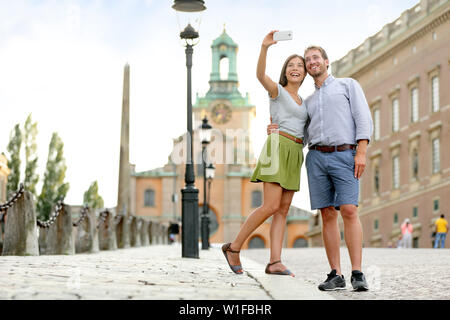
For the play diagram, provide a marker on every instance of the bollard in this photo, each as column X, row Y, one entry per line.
column 42, row 240
column 155, row 232
column 59, row 236
column 123, row 233
column 20, row 237
column 143, row 233
column 135, row 239
column 165, row 234
column 107, row 233
column 150, row 232
column 87, row 240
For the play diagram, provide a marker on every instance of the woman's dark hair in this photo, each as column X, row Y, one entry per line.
column 283, row 80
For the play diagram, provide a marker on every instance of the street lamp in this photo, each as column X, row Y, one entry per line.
column 189, row 195
column 209, row 172
column 205, row 137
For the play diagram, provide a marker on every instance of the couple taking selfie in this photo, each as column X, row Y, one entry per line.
column 336, row 125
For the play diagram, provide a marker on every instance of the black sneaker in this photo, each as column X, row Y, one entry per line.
column 333, row 282
column 359, row 282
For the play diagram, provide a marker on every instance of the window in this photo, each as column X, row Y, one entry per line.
column 256, row 199
column 414, row 105
column 376, row 180
column 396, row 218
column 436, row 156
column 256, row 243
column 435, row 94
column 436, row 205
column 396, row 172
column 395, row 115
column 149, row 198
column 376, row 124
column 375, row 225
column 415, row 212
column 300, row 243
column 415, row 164
column 224, row 68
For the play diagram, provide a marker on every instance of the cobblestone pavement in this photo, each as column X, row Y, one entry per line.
column 397, row 274
column 153, row 272
column 159, row 273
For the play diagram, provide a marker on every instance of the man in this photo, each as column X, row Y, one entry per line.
column 338, row 134
column 441, row 231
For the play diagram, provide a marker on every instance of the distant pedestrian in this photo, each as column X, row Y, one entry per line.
column 441, row 231
column 407, row 230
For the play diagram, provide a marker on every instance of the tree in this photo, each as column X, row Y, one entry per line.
column 31, row 178
column 15, row 142
column 53, row 187
column 92, row 198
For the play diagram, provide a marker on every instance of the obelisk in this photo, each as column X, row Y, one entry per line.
column 123, row 194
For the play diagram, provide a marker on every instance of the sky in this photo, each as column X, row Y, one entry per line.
column 63, row 61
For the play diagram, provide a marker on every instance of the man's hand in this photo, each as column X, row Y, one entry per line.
column 360, row 158
column 272, row 128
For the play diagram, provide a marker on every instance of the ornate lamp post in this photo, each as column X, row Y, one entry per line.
column 209, row 173
column 205, row 136
column 189, row 195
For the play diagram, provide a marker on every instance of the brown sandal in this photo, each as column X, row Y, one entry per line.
column 281, row 273
column 236, row 269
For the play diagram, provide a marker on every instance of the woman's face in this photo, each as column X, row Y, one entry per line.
column 295, row 70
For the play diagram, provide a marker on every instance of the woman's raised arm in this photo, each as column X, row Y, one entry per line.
column 267, row 83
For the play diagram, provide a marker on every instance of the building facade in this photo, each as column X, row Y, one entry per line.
column 404, row 71
column 232, row 196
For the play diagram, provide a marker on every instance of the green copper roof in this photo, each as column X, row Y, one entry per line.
column 224, row 38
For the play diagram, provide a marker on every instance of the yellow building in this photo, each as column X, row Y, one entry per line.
column 233, row 197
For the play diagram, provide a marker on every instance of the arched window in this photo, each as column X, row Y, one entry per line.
column 224, row 68
column 376, row 180
column 256, row 199
column 256, row 243
column 300, row 243
column 149, row 198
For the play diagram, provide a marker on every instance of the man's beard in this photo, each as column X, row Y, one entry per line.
column 318, row 74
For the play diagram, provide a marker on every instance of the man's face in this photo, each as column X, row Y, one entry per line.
column 315, row 64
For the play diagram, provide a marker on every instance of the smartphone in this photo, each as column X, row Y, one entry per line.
column 282, row 35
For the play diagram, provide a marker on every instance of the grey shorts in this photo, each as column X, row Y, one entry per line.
column 331, row 179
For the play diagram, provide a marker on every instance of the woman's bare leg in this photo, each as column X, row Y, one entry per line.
column 272, row 199
column 277, row 230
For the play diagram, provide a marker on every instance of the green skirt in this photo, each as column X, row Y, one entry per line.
column 280, row 161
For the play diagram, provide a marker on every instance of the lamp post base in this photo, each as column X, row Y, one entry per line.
column 189, row 220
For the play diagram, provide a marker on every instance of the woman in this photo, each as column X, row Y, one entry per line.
column 279, row 164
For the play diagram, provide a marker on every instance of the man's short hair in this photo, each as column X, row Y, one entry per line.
column 322, row 52
column 442, row 216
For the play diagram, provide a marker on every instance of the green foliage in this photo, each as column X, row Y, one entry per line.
column 92, row 198
column 53, row 187
column 31, row 178
column 15, row 142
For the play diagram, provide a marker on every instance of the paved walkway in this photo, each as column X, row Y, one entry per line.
column 158, row 272
column 392, row 274
column 153, row 272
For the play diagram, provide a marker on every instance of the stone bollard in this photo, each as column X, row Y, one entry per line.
column 107, row 233
column 135, row 239
column 87, row 234
column 155, row 232
column 123, row 233
column 59, row 235
column 42, row 239
column 143, row 233
column 165, row 234
column 20, row 237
